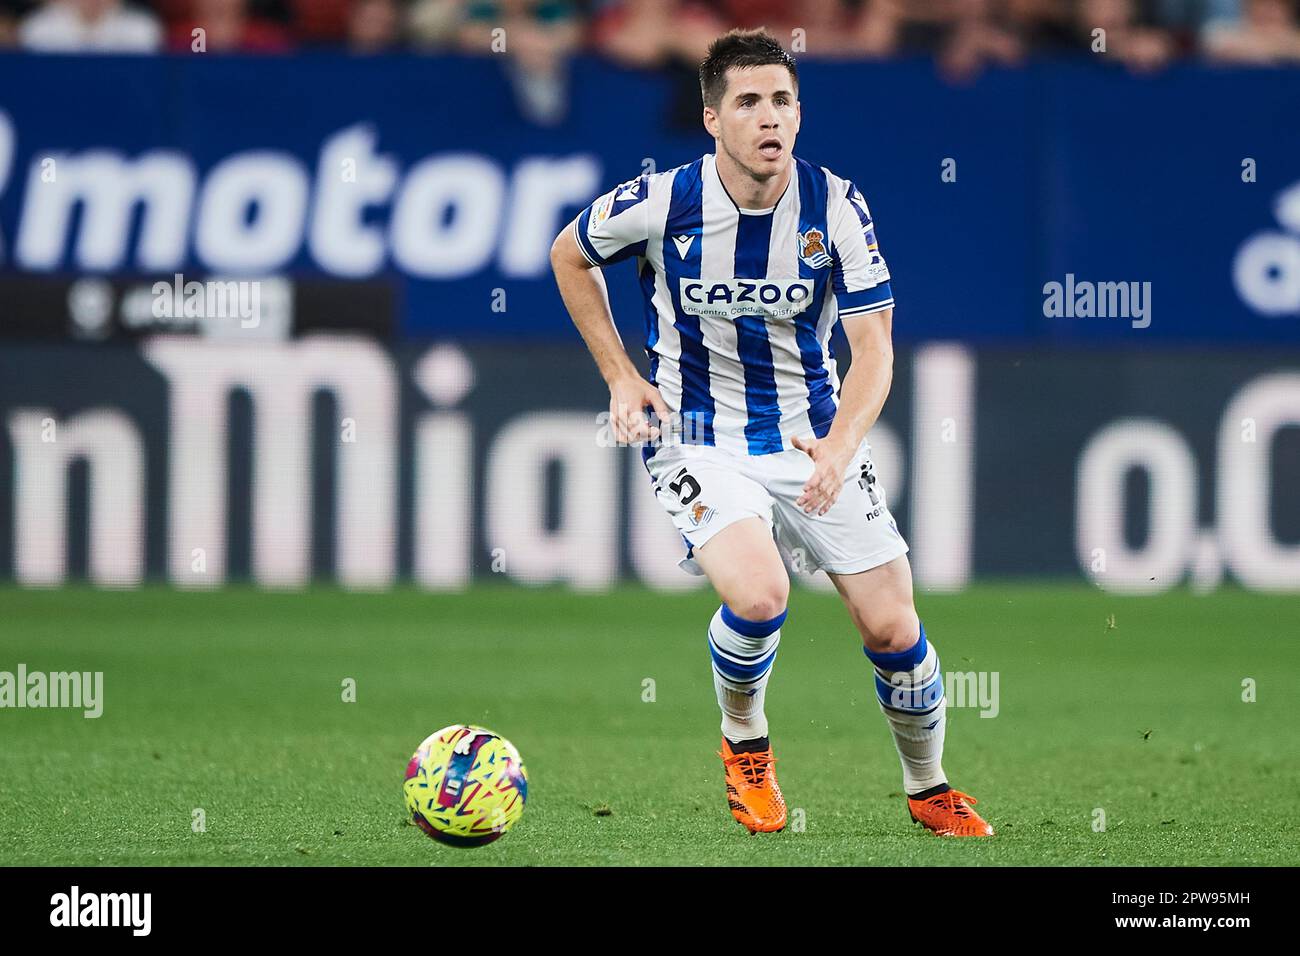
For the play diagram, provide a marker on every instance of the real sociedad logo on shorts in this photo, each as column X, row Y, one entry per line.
column 728, row 298
column 701, row 513
column 812, row 249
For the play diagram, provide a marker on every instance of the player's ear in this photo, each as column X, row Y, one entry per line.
column 711, row 121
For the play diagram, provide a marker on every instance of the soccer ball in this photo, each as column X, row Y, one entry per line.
column 465, row 786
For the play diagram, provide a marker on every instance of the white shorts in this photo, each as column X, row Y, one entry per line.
column 704, row 488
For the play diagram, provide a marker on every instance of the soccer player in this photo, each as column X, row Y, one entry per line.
column 747, row 259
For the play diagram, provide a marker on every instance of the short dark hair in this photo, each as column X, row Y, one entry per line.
column 740, row 48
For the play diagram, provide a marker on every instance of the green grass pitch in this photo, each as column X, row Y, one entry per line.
column 231, row 702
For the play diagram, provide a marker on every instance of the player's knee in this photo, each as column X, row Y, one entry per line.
column 893, row 632
column 762, row 603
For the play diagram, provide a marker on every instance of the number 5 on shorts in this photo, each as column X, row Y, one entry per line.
column 681, row 481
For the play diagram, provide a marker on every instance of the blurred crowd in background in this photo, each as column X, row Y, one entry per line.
column 962, row 35
column 536, row 38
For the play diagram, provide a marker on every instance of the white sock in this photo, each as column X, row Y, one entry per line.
column 743, row 652
column 909, row 687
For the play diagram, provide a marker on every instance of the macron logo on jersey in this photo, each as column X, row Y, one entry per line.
column 729, row 298
column 683, row 244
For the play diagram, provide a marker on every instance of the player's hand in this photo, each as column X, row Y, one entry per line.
column 628, row 398
column 830, row 461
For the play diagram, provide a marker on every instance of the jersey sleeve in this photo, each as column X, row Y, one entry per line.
column 859, row 276
column 615, row 226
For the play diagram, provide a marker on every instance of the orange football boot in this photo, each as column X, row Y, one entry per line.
column 949, row 814
column 752, row 791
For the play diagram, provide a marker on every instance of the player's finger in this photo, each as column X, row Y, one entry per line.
column 645, row 427
column 829, row 503
column 659, row 405
column 615, row 426
column 837, row 486
column 810, row 491
column 826, row 492
column 626, row 422
column 812, row 494
column 632, row 419
column 637, row 426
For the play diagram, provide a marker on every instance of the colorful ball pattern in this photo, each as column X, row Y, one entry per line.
column 465, row 786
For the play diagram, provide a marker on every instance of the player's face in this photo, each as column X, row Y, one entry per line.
column 757, row 120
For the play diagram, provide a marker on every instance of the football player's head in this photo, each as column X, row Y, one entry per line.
column 750, row 87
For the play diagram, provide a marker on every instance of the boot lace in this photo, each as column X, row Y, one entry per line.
column 753, row 766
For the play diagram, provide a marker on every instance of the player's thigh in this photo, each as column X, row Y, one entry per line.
column 856, row 540
column 879, row 601
column 725, row 517
column 745, row 568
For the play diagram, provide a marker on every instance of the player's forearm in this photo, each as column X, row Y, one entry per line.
column 862, row 395
column 583, row 290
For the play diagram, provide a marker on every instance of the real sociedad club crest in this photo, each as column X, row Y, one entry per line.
column 701, row 513
column 812, row 249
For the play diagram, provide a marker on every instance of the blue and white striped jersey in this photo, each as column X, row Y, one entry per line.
column 740, row 303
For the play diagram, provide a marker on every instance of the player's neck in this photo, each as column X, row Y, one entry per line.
column 746, row 191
